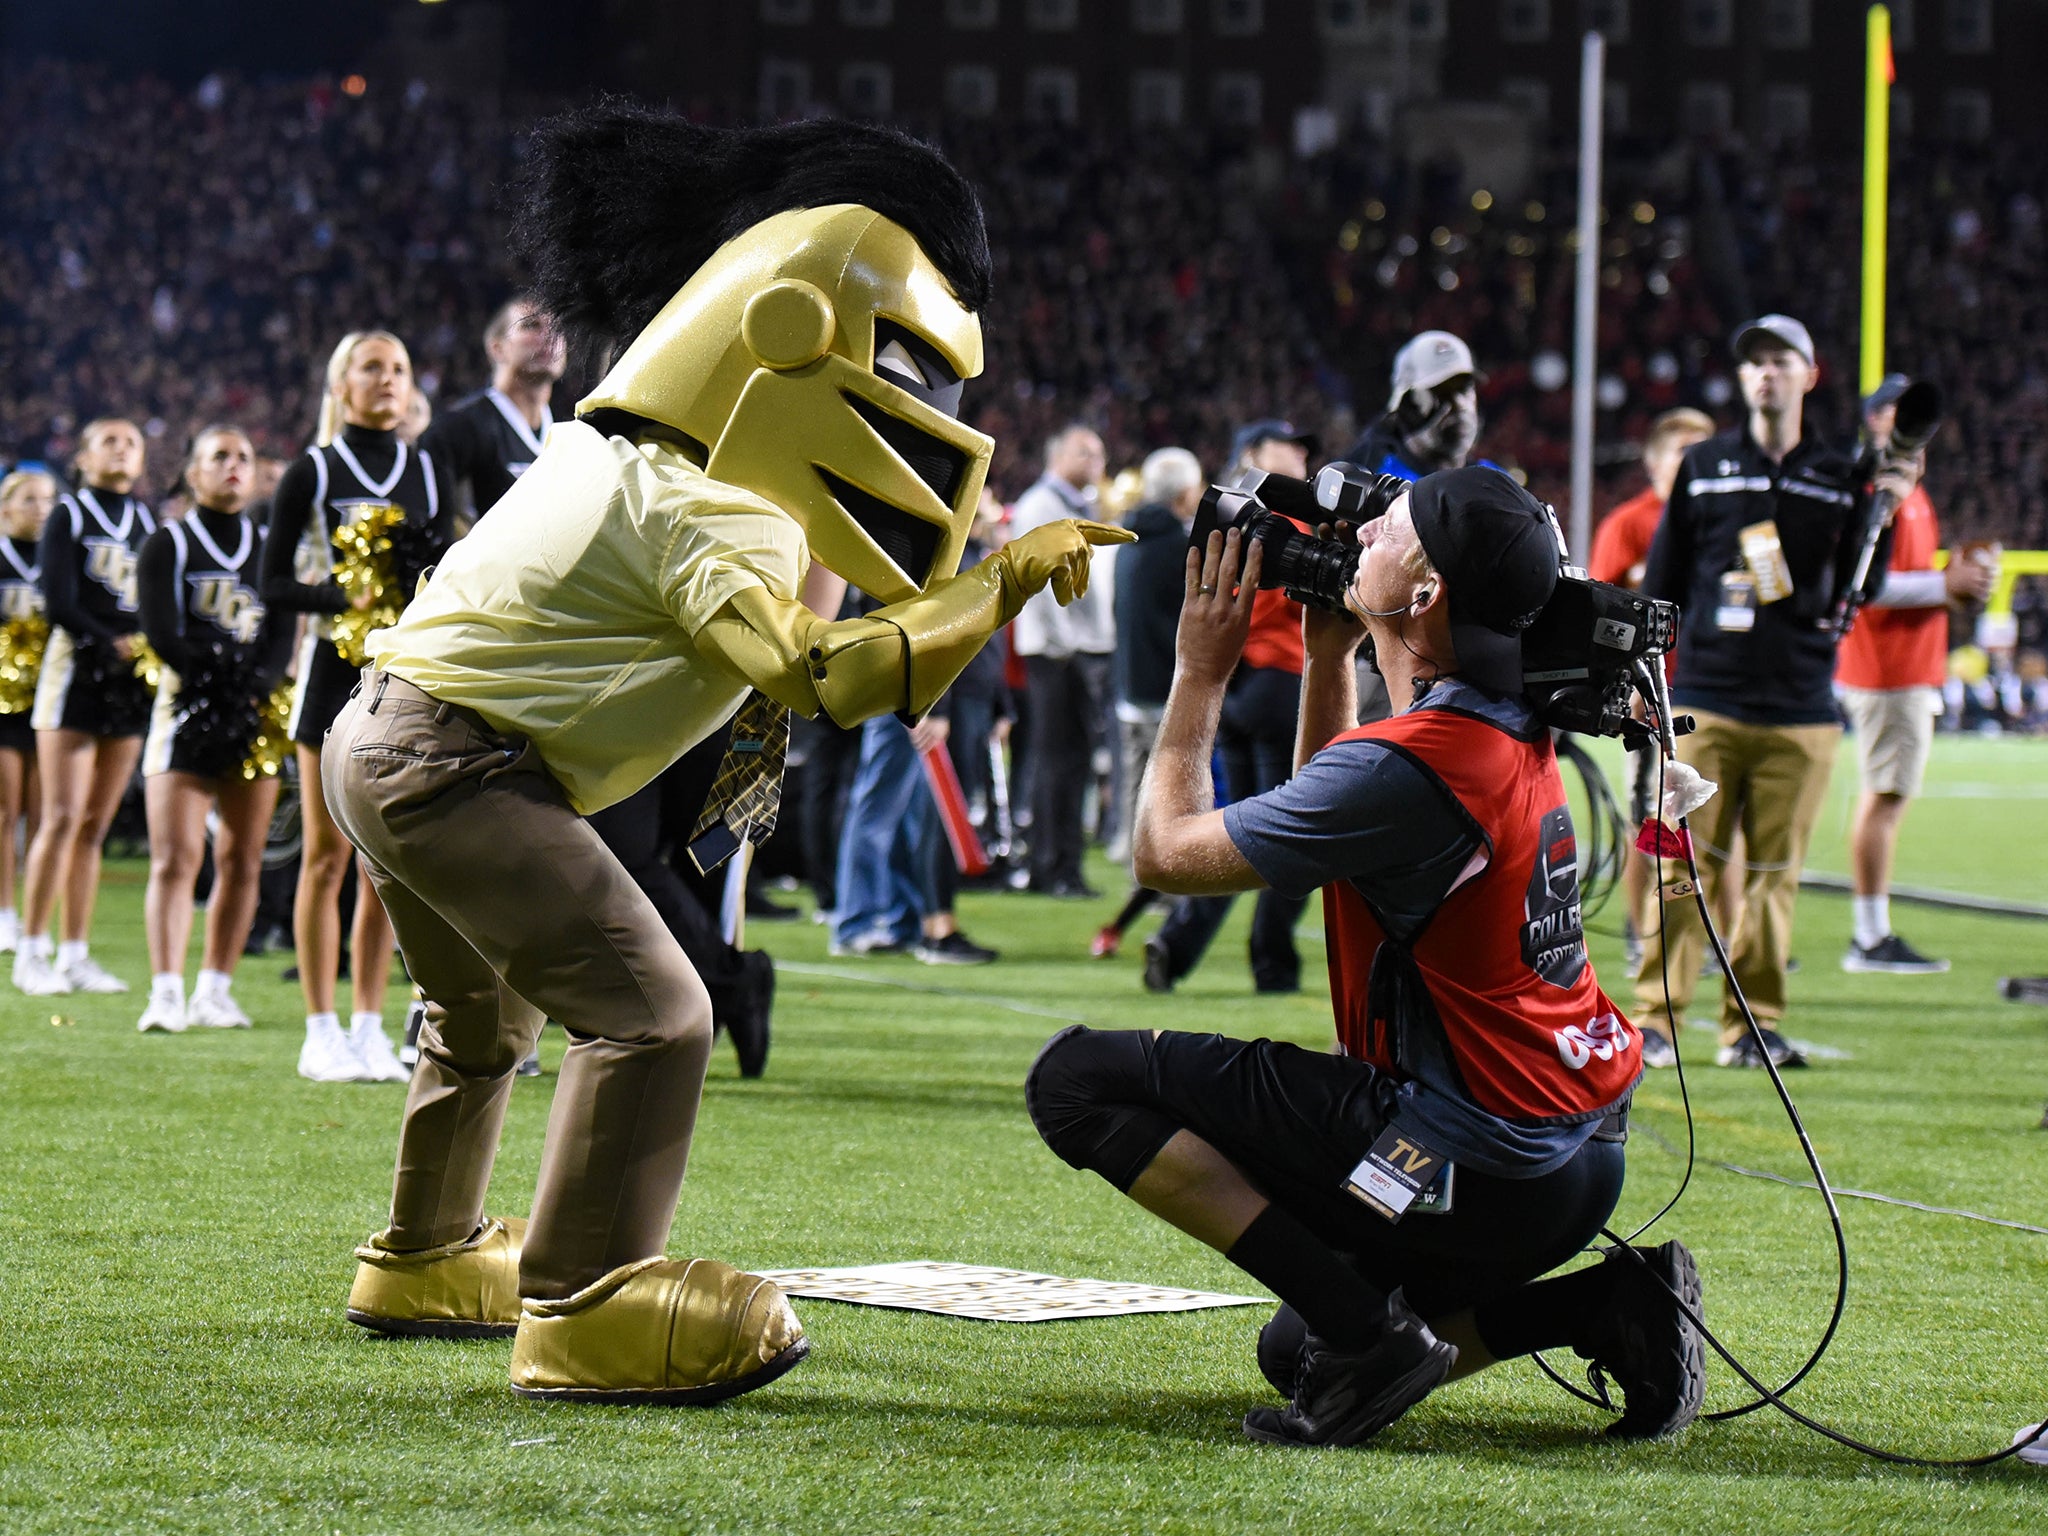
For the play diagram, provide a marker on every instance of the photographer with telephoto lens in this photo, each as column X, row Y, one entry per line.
column 1403, row 1196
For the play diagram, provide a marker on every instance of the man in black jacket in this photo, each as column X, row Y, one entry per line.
column 1760, row 536
column 1149, row 578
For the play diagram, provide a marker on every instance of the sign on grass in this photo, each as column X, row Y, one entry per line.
column 997, row 1295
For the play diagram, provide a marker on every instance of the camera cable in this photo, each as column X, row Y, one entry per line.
column 1765, row 1396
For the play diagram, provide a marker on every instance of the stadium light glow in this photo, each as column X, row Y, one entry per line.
column 354, row 85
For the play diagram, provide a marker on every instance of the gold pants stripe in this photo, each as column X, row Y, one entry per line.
column 509, row 910
column 1774, row 780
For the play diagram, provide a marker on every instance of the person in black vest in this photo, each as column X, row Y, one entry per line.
column 358, row 469
column 196, row 584
column 26, row 496
column 91, row 703
column 1480, row 1060
column 488, row 439
column 1758, row 541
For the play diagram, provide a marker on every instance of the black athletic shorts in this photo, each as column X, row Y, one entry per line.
column 1297, row 1121
column 89, row 687
column 16, row 734
column 325, row 682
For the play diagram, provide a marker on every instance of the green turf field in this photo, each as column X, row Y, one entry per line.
column 178, row 1214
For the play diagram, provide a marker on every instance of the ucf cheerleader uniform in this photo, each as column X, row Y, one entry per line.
column 321, row 493
column 21, row 597
column 200, row 609
column 88, row 574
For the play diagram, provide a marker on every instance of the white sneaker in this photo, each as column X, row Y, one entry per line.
column 215, row 1010
column 372, row 1048
column 87, row 975
column 38, row 976
column 165, row 1013
column 326, row 1057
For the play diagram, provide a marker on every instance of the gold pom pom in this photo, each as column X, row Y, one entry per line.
column 148, row 665
column 363, row 565
column 272, row 743
column 21, row 658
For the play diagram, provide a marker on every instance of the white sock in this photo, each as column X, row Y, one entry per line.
column 315, row 1020
column 211, row 984
column 71, row 950
column 10, row 921
column 363, row 1023
column 37, row 944
column 1872, row 916
column 168, row 985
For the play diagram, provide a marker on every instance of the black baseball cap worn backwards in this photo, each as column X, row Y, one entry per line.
column 1497, row 547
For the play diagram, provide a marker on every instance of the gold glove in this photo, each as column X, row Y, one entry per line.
column 904, row 656
column 465, row 1290
column 661, row 1331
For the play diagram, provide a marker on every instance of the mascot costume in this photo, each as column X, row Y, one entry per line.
column 790, row 314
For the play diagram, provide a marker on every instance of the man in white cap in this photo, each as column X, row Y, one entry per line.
column 1758, row 540
column 1432, row 417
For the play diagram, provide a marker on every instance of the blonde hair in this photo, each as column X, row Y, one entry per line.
column 337, row 368
column 1683, row 422
column 20, row 477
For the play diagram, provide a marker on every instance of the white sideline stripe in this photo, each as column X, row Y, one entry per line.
column 800, row 968
column 1864, row 1194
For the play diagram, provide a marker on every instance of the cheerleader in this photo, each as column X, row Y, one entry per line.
column 92, row 704
column 196, row 583
column 26, row 497
column 359, row 469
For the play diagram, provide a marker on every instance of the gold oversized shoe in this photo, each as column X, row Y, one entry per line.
column 465, row 1290
column 662, row 1331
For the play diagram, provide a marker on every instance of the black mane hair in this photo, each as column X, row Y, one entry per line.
column 617, row 205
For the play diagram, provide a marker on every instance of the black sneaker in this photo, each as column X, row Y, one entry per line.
column 1744, row 1052
column 954, row 949
column 1345, row 1398
column 1279, row 1350
column 1658, row 1051
column 1647, row 1345
column 531, row 1066
column 1890, row 956
column 747, row 1019
column 1157, row 977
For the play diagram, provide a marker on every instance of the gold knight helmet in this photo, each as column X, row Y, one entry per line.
column 797, row 309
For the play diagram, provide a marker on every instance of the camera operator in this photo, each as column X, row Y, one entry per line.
column 1432, row 417
column 1261, row 712
column 1892, row 665
column 1473, row 1030
column 1759, row 537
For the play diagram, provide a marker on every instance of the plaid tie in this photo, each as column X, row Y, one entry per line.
column 748, row 789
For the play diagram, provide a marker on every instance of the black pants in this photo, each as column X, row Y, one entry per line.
column 1295, row 1122
column 1068, row 698
column 1256, row 740
column 633, row 830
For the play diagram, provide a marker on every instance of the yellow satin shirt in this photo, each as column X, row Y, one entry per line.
column 569, row 614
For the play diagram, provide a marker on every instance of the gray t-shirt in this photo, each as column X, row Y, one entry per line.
column 1366, row 812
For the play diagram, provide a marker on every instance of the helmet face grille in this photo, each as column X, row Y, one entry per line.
column 939, row 465
column 910, row 542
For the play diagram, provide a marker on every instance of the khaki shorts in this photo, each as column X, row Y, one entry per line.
column 1894, row 734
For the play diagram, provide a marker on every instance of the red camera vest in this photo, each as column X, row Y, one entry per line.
column 1503, row 959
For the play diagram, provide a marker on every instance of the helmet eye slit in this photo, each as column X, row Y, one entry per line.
column 911, row 363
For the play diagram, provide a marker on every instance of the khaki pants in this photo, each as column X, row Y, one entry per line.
column 1773, row 781
column 509, row 909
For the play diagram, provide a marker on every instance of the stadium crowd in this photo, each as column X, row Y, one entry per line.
column 180, row 257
